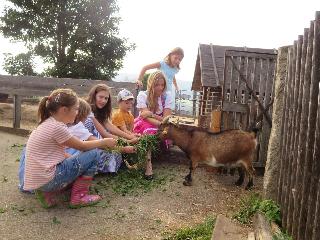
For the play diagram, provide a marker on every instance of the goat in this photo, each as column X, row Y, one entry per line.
column 232, row 148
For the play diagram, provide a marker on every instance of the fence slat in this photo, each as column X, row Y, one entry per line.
column 295, row 178
column 301, row 181
column 315, row 75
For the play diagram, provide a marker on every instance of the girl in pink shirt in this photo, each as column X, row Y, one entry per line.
column 47, row 170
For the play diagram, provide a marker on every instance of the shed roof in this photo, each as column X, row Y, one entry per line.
column 210, row 64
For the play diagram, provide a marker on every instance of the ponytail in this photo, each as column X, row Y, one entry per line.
column 43, row 112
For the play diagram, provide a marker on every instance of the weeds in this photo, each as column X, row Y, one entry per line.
column 131, row 182
column 202, row 231
column 281, row 236
column 254, row 203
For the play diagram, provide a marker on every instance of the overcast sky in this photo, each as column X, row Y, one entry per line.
column 158, row 26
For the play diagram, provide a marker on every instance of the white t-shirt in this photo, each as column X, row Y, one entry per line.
column 80, row 131
column 142, row 101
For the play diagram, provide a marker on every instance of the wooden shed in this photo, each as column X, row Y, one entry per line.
column 234, row 85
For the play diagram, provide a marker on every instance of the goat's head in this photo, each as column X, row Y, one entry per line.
column 165, row 126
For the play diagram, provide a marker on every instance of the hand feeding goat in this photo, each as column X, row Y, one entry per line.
column 228, row 148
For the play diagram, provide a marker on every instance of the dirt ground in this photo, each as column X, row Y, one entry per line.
column 144, row 216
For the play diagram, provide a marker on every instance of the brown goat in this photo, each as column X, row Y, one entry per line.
column 231, row 148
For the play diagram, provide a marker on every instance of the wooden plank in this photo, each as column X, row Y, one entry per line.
column 232, row 82
column 305, row 168
column 296, row 177
column 235, row 107
column 312, row 125
column 214, row 66
column 16, row 111
column 316, row 229
column 295, row 130
column 262, row 228
column 250, row 54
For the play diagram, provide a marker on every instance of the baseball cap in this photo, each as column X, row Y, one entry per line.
column 124, row 94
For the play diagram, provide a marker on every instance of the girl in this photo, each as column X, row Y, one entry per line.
column 170, row 66
column 47, row 171
column 99, row 125
column 153, row 105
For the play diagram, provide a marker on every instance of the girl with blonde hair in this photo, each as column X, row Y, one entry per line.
column 153, row 105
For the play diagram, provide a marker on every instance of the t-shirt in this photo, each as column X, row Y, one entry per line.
column 169, row 73
column 44, row 151
column 80, row 131
column 121, row 118
column 142, row 101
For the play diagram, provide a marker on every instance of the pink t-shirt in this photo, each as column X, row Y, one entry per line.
column 44, row 152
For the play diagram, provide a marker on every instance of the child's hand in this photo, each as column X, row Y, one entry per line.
column 110, row 142
column 128, row 149
column 145, row 114
column 137, row 135
column 133, row 140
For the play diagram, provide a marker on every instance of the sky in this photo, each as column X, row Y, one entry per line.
column 156, row 27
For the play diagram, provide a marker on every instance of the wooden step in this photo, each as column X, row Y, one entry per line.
column 225, row 229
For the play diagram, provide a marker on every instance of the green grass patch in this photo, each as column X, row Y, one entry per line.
column 132, row 182
column 202, row 231
column 254, row 203
column 282, row 236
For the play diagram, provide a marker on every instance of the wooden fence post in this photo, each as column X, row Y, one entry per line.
column 272, row 168
column 16, row 111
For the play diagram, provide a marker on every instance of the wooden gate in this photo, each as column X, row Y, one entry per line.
column 247, row 90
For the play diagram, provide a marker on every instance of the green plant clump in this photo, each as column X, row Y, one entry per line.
column 202, row 231
column 281, row 236
column 254, row 203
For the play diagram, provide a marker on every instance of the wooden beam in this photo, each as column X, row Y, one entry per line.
column 16, row 111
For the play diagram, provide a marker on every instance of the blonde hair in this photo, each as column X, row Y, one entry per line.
column 104, row 113
column 84, row 110
column 57, row 99
column 175, row 51
column 153, row 79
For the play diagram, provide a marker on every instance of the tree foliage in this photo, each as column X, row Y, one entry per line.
column 77, row 38
column 22, row 64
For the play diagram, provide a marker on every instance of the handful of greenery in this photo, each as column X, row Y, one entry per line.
column 146, row 143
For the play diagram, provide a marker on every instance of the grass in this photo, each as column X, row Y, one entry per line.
column 281, row 236
column 202, row 231
column 254, row 203
column 132, row 182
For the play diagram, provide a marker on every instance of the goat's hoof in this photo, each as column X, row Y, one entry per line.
column 187, row 183
column 238, row 183
column 249, row 187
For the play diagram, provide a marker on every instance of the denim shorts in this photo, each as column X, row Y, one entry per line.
column 69, row 169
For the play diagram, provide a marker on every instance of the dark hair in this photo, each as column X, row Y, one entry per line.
column 84, row 110
column 104, row 113
column 57, row 99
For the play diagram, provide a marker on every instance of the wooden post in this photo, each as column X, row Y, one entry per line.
column 303, row 134
column 273, row 166
column 310, row 161
column 16, row 111
column 215, row 120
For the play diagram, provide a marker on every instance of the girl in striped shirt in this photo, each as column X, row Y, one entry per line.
column 47, row 170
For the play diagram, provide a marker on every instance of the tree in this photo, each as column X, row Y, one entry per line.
column 78, row 38
column 22, row 64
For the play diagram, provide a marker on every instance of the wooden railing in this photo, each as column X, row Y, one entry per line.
column 21, row 86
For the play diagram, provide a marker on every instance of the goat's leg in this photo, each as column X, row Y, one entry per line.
column 239, row 182
column 251, row 172
column 188, row 178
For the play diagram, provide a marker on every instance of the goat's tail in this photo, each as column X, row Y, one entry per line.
column 255, row 130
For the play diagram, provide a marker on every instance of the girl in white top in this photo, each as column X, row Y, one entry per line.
column 153, row 105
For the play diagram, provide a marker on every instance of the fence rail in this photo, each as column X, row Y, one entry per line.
column 299, row 179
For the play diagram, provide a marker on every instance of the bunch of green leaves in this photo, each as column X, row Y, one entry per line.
column 146, row 143
column 202, row 231
column 254, row 203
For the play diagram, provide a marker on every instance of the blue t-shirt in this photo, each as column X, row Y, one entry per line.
column 169, row 73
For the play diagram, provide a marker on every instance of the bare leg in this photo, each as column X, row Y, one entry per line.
column 149, row 165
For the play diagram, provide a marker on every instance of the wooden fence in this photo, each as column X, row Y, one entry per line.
column 248, row 94
column 299, row 180
column 20, row 86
